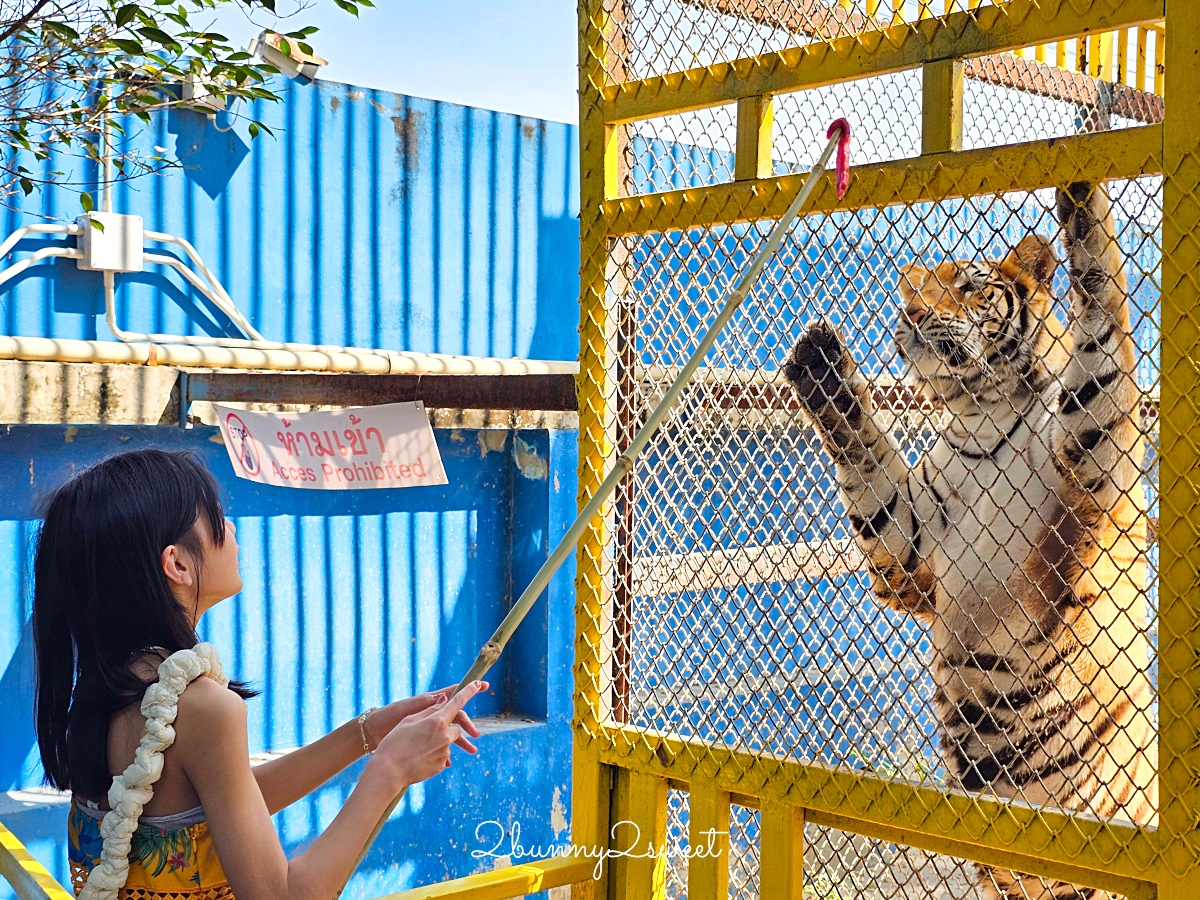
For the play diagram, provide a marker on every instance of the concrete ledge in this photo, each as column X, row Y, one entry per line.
column 51, row 393
column 55, row 393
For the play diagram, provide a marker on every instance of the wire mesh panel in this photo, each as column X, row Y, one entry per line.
column 895, row 552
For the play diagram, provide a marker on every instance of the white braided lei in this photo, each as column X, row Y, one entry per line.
column 132, row 789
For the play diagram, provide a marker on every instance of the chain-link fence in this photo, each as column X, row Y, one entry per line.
column 892, row 564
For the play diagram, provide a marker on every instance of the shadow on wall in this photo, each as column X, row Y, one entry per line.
column 209, row 150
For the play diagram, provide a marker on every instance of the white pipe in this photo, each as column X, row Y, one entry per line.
column 223, row 304
column 13, row 239
column 192, row 253
column 228, row 307
column 106, row 135
column 293, row 359
column 45, row 253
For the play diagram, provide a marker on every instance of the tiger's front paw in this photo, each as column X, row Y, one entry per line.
column 818, row 364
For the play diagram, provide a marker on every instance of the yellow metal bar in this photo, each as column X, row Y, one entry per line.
column 708, row 842
column 1103, row 848
column 755, row 138
column 892, row 49
column 1041, row 52
column 25, row 875
column 640, row 834
column 1142, row 36
column 781, row 851
column 1160, row 61
column 1091, row 58
column 595, row 384
column 1060, row 54
column 1123, row 73
column 1018, row 167
column 613, row 135
column 1100, row 53
column 503, row 884
column 942, row 106
column 591, row 793
column 1179, row 497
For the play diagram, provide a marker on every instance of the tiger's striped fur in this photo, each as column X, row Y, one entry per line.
column 1020, row 536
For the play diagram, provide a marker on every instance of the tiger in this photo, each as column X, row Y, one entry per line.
column 1019, row 536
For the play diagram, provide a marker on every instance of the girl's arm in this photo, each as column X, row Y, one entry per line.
column 212, row 747
column 297, row 774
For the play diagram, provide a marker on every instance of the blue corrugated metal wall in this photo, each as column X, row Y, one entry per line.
column 380, row 220
column 373, row 219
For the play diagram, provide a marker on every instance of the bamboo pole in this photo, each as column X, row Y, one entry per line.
column 491, row 650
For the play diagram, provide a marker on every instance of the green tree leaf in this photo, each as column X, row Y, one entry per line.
column 126, row 14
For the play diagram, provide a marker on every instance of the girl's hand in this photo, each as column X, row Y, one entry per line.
column 381, row 721
column 419, row 746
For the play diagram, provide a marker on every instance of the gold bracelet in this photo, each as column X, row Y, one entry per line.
column 362, row 729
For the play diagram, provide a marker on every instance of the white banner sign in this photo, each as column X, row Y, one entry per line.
column 386, row 446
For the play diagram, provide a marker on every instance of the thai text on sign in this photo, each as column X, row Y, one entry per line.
column 386, row 446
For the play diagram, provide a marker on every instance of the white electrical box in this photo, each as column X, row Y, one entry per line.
column 116, row 246
column 202, row 93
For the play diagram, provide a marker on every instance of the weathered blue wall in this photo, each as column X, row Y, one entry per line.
column 353, row 598
column 379, row 220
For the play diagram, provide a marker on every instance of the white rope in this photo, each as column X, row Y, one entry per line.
column 133, row 788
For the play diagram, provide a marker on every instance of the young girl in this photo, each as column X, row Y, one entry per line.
column 131, row 554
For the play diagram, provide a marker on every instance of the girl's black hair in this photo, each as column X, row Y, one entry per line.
column 101, row 598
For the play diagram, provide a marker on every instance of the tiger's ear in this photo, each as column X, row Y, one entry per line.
column 1035, row 255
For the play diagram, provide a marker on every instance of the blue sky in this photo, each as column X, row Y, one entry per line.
column 511, row 55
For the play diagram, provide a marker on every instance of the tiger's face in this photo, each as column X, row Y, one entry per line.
column 967, row 326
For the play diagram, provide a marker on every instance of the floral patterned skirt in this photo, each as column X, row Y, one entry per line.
column 171, row 857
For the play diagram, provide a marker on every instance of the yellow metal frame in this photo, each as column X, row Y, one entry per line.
column 622, row 773
column 27, row 877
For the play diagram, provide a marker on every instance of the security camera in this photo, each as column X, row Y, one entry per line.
column 294, row 63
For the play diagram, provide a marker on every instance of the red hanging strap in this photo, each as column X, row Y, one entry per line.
column 843, row 155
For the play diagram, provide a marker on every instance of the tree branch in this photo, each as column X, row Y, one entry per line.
column 23, row 21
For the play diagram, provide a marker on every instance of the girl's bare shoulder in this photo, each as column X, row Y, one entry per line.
column 205, row 695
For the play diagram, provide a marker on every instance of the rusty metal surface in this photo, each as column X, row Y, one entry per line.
column 541, row 392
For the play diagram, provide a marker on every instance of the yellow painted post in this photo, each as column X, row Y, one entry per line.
column 755, row 139
column 942, row 106
column 1060, row 54
column 781, row 852
column 1097, row 64
column 1179, row 523
column 639, row 830
column 1179, row 661
column 872, row 9
column 1140, row 77
column 1122, row 73
column 595, row 380
column 708, row 842
column 591, row 797
column 1160, row 60
column 25, row 875
column 898, row 10
column 1105, row 68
